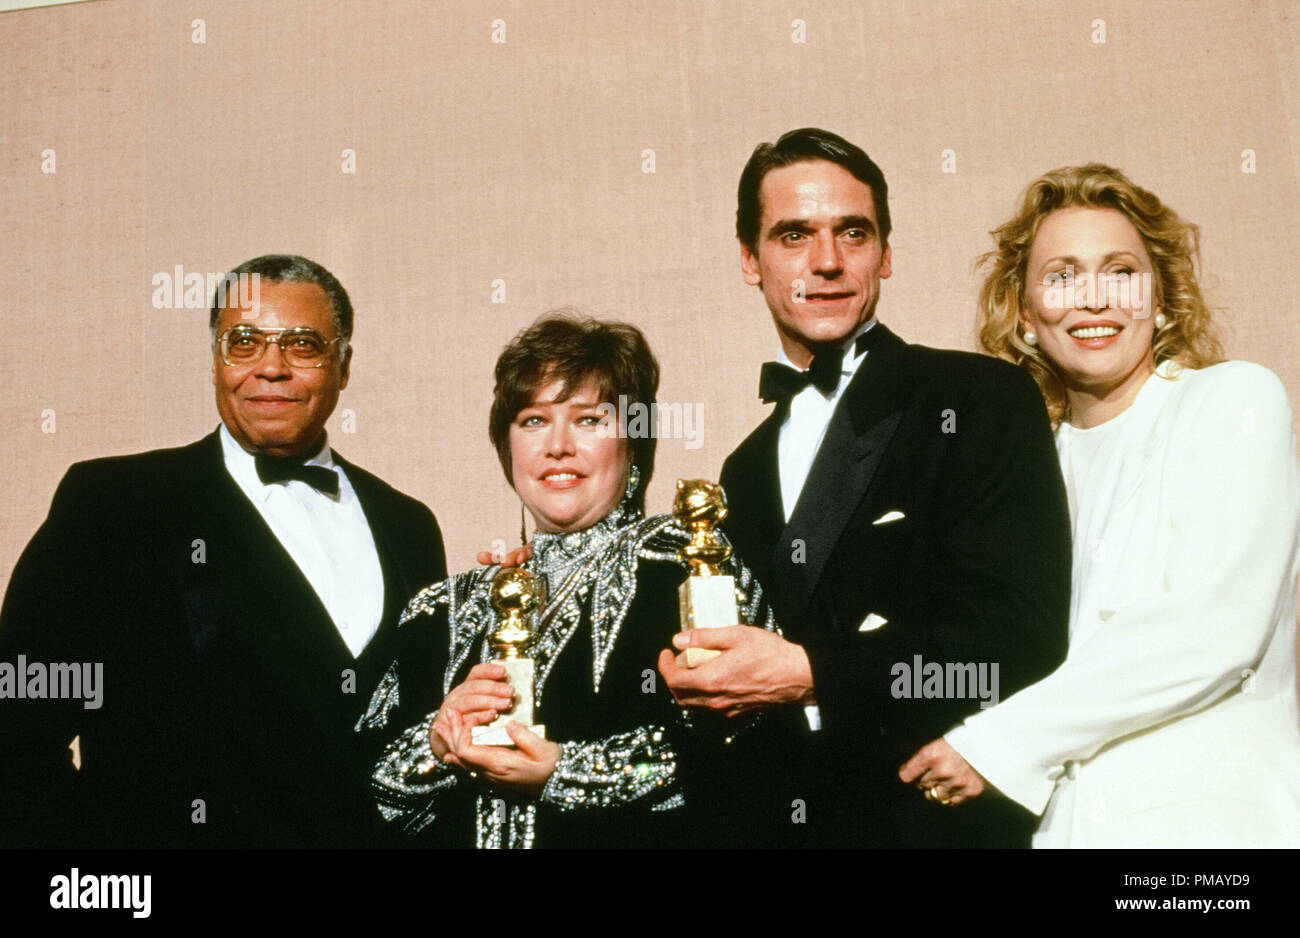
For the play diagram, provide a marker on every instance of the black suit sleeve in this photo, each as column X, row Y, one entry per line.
column 48, row 616
column 429, row 536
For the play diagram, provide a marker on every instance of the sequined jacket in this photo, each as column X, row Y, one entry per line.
column 625, row 746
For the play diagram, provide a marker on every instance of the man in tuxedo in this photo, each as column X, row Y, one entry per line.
column 241, row 594
column 903, row 509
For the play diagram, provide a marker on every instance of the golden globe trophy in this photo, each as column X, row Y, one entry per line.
column 515, row 595
column 708, row 597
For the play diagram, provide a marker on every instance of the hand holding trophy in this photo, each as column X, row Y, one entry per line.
column 515, row 595
column 708, row 597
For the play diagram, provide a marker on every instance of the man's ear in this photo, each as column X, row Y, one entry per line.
column 749, row 267
column 886, row 264
column 345, row 368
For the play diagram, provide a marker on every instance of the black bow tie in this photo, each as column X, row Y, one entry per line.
column 271, row 469
column 778, row 382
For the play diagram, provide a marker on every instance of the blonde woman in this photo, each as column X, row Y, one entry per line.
column 1173, row 720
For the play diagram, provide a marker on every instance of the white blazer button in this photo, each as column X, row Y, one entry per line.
column 1072, row 770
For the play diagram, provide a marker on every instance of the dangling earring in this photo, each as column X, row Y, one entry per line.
column 1160, row 321
column 633, row 480
column 523, row 531
column 1031, row 338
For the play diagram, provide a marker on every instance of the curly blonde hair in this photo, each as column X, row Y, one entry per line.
column 1189, row 336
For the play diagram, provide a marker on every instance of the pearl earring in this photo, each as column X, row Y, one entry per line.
column 1161, row 321
column 1031, row 338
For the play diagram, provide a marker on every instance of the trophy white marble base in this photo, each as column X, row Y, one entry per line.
column 519, row 672
column 706, row 602
column 693, row 657
column 494, row 735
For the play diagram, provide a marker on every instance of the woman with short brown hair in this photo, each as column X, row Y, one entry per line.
column 614, row 778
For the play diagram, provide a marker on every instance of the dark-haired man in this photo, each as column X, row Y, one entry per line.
column 903, row 508
column 241, row 594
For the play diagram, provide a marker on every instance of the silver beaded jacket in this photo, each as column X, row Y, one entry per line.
column 592, row 577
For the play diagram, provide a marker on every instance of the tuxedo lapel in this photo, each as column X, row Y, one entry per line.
column 401, row 580
column 860, row 431
column 752, row 484
column 759, row 472
column 249, row 597
column 395, row 562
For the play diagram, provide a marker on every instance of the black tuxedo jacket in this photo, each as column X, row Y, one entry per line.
column 935, row 512
column 229, row 697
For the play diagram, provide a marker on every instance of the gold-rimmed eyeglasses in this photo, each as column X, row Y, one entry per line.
column 300, row 347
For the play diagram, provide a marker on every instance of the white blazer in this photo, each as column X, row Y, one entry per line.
column 1173, row 721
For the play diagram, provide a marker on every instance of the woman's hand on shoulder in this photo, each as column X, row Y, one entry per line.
column 514, row 558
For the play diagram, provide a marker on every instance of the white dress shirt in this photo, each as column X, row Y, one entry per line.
column 805, row 426
column 801, row 437
column 327, row 536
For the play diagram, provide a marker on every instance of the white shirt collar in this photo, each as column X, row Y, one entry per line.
column 240, row 465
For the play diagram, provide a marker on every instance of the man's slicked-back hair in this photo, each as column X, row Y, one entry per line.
column 802, row 146
column 287, row 268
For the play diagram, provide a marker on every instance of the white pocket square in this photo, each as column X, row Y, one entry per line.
column 872, row 622
column 888, row 517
